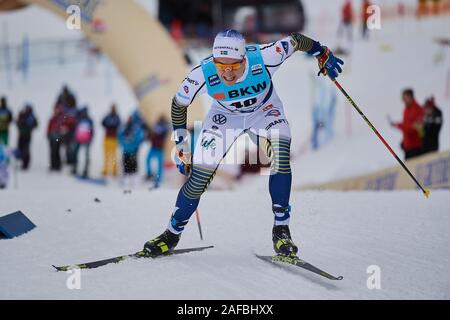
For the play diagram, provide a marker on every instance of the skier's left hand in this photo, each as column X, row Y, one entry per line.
column 329, row 65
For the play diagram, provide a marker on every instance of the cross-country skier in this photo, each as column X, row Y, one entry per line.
column 239, row 79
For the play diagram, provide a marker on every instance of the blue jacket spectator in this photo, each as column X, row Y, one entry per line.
column 130, row 136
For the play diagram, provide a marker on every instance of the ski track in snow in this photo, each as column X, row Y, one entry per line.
column 342, row 233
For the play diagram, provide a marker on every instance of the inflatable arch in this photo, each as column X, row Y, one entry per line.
column 136, row 43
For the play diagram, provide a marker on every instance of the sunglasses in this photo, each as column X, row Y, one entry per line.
column 232, row 66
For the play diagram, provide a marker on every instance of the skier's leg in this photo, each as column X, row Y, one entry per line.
column 277, row 150
column 273, row 130
column 189, row 196
column 212, row 145
column 280, row 179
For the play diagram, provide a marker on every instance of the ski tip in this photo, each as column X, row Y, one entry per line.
column 63, row 268
column 340, row 278
column 426, row 193
column 56, row 267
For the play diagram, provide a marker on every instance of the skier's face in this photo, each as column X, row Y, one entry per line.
column 229, row 70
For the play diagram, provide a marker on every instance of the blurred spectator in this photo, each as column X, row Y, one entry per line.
column 411, row 126
column 68, row 131
column 432, row 125
column 67, row 98
column 69, row 103
column 323, row 112
column 5, row 155
column 84, row 134
column 26, row 123
column 5, row 120
column 54, row 136
column 176, row 31
column 436, row 6
column 111, row 123
column 130, row 137
column 346, row 25
column 157, row 135
column 422, row 8
column 365, row 15
column 137, row 119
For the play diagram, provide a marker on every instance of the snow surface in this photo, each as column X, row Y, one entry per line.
column 343, row 233
column 404, row 234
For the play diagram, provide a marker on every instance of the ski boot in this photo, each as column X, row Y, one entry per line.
column 161, row 244
column 282, row 241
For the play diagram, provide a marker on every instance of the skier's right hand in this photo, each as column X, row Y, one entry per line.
column 184, row 162
column 329, row 65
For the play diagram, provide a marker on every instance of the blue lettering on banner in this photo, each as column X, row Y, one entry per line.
column 213, row 80
column 385, row 182
column 434, row 173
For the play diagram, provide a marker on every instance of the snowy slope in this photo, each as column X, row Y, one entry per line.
column 344, row 233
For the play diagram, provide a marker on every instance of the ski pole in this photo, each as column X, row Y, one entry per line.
column 425, row 192
column 197, row 217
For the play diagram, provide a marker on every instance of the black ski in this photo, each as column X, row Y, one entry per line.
column 137, row 255
column 296, row 261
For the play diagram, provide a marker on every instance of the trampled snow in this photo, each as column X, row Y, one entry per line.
column 402, row 233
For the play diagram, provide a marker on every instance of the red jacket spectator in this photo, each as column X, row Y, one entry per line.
column 411, row 126
column 365, row 15
column 347, row 12
column 55, row 123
